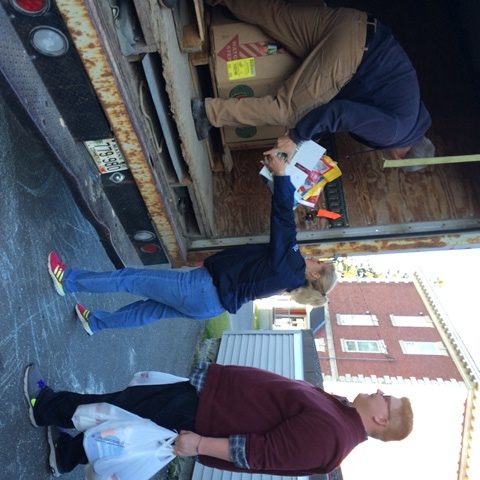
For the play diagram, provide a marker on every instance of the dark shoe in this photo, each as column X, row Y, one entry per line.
column 202, row 125
column 53, row 435
column 167, row 3
column 33, row 384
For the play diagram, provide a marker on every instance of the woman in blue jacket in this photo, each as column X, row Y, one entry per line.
column 226, row 281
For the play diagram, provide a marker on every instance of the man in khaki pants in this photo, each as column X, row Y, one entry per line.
column 354, row 77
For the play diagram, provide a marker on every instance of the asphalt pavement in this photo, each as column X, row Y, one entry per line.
column 38, row 214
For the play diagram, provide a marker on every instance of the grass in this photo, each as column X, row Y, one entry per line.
column 214, row 327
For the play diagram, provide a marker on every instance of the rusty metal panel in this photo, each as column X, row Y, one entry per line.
column 394, row 245
column 95, row 59
column 364, row 246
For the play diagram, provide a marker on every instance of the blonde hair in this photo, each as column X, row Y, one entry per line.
column 315, row 292
column 399, row 425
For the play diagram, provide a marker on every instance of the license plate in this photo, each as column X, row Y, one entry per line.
column 107, row 155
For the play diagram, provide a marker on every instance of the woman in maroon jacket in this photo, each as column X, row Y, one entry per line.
column 245, row 419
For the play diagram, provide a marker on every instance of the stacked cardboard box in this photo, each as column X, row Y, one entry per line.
column 247, row 63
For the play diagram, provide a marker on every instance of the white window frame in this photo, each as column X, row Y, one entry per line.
column 411, row 321
column 422, row 348
column 355, row 319
column 320, row 344
column 380, row 344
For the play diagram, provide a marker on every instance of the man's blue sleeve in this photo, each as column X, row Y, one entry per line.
column 370, row 123
column 283, row 233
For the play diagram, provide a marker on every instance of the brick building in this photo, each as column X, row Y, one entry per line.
column 395, row 336
column 382, row 329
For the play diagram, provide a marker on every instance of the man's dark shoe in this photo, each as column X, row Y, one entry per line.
column 53, row 435
column 33, row 384
column 167, row 3
column 202, row 125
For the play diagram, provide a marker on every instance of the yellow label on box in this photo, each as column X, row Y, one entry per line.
column 240, row 69
column 331, row 174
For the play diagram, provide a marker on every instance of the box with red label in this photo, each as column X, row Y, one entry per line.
column 247, row 63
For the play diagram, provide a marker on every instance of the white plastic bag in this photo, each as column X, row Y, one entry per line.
column 121, row 445
column 155, row 378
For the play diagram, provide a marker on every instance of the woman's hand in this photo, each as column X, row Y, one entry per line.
column 284, row 145
column 187, row 444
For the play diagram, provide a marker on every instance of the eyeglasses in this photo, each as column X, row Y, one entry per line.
column 387, row 399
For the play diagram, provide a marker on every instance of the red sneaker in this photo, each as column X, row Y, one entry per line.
column 83, row 314
column 56, row 269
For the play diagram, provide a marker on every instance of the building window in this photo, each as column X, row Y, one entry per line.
column 320, row 344
column 363, row 346
column 295, row 318
column 360, row 320
column 423, row 348
column 411, row 321
column 295, row 323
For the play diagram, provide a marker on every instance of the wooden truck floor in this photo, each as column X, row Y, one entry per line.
column 376, row 197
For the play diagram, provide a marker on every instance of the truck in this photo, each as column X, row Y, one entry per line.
column 107, row 86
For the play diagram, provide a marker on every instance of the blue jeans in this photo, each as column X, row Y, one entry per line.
column 169, row 293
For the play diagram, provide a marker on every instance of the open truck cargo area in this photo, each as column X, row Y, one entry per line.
column 176, row 199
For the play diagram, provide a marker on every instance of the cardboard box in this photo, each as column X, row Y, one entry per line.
column 247, row 63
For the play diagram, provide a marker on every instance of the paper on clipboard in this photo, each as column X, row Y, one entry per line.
column 304, row 160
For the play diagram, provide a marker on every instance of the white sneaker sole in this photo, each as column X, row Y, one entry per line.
column 83, row 322
column 52, row 458
column 27, row 397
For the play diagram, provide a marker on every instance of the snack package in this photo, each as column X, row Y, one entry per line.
column 309, row 170
column 323, row 172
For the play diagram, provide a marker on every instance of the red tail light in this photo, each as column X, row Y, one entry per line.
column 31, row 7
column 150, row 248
